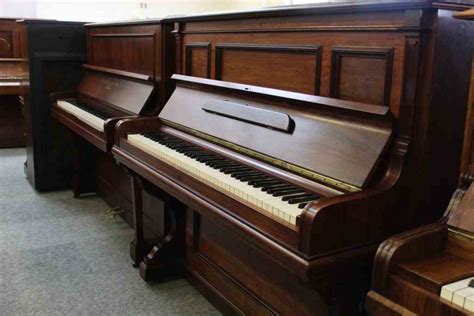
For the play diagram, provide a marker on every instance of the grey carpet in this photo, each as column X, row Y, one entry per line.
column 66, row 256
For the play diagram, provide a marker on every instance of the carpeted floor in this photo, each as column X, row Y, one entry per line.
column 65, row 256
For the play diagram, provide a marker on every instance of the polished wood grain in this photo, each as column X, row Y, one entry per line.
column 398, row 54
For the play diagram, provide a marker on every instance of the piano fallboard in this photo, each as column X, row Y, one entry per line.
column 104, row 96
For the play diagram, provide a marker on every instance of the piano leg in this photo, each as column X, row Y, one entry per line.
column 84, row 159
column 158, row 259
column 137, row 245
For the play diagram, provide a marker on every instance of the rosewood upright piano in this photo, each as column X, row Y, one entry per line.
column 103, row 97
column 283, row 196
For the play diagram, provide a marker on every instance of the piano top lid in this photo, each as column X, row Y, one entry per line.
column 124, row 91
column 125, row 22
column 349, row 6
column 333, row 141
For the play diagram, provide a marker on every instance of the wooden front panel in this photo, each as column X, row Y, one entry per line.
column 9, row 40
column 133, row 48
column 128, row 52
column 358, row 57
column 6, row 44
column 363, row 75
column 198, row 61
column 287, row 67
column 246, row 278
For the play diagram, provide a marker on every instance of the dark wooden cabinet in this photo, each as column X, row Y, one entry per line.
column 54, row 52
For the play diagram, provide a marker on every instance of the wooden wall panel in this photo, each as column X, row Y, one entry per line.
column 362, row 74
column 128, row 52
column 198, row 59
column 287, row 67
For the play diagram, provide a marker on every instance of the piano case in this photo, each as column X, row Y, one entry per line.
column 251, row 262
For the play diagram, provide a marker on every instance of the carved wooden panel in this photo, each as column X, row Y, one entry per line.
column 6, row 44
column 288, row 67
column 198, row 59
column 133, row 52
column 362, row 74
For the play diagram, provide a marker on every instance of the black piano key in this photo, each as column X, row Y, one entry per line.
column 253, row 178
column 287, row 192
column 241, row 172
column 296, row 195
column 276, row 186
column 283, row 186
column 245, row 174
column 302, row 199
column 230, row 170
column 225, row 163
column 302, row 205
column 259, row 184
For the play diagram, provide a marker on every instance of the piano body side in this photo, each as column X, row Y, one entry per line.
column 411, row 268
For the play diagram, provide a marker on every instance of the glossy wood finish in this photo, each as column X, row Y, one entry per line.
column 54, row 52
column 410, row 268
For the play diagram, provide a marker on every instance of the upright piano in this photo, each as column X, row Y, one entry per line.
column 103, row 97
column 126, row 74
column 12, row 71
column 429, row 270
column 284, row 196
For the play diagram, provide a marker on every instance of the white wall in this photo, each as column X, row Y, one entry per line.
column 113, row 10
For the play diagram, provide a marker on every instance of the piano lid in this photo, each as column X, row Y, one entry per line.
column 333, row 141
column 125, row 91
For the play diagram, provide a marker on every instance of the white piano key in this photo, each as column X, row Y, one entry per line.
column 460, row 296
column 448, row 290
column 469, row 303
column 92, row 120
column 225, row 183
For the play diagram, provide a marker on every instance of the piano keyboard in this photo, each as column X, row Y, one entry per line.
column 460, row 293
column 266, row 194
column 85, row 113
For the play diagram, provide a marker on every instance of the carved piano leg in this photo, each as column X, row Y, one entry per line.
column 84, row 176
column 137, row 245
column 157, row 258
column 166, row 257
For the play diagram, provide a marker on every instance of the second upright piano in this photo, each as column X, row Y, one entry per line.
column 285, row 194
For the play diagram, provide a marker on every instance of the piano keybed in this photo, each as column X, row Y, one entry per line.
column 269, row 195
column 85, row 113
